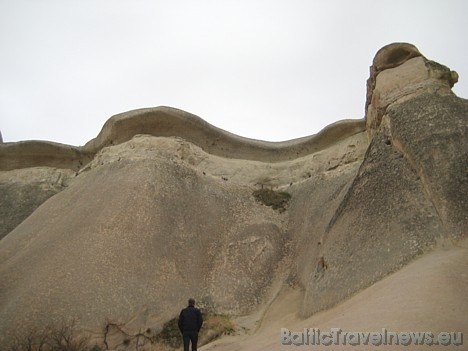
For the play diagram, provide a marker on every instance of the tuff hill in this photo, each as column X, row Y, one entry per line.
column 161, row 206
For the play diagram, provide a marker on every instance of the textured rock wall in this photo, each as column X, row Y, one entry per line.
column 137, row 223
column 170, row 122
column 152, row 221
column 23, row 190
column 399, row 72
column 134, row 235
column 431, row 131
column 412, row 185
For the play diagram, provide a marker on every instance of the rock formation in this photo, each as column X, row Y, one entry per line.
column 161, row 206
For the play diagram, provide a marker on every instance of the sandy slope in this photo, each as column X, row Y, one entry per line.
column 429, row 294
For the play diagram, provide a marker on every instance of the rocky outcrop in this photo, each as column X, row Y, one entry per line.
column 399, row 72
column 32, row 153
column 410, row 189
column 165, row 206
column 23, row 190
column 413, row 106
column 170, row 122
column 151, row 221
column 160, row 121
column 167, row 122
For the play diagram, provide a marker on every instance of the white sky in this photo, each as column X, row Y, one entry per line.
column 264, row 69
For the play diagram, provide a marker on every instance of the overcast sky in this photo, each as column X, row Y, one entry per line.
column 263, row 69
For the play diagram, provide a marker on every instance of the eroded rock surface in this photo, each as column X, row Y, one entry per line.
column 161, row 206
column 399, row 72
column 24, row 190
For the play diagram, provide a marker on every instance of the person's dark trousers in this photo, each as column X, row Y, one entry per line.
column 190, row 337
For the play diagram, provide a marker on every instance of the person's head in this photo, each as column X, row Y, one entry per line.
column 191, row 301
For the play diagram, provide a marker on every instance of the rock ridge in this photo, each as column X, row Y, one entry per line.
column 170, row 122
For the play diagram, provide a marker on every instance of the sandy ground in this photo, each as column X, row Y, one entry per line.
column 428, row 295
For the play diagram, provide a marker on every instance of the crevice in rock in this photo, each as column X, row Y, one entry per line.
column 398, row 146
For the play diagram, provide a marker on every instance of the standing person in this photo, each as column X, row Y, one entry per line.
column 190, row 323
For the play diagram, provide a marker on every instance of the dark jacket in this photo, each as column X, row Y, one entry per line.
column 190, row 320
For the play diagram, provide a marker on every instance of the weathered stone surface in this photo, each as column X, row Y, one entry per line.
column 147, row 220
column 411, row 189
column 23, row 190
column 383, row 222
column 236, row 284
column 431, row 131
column 170, row 122
column 389, row 56
column 151, row 221
column 400, row 73
column 123, row 236
column 166, row 122
column 26, row 154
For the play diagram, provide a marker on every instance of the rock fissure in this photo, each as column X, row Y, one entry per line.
column 422, row 176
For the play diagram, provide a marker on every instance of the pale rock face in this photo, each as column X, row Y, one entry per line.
column 400, row 73
column 160, row 206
